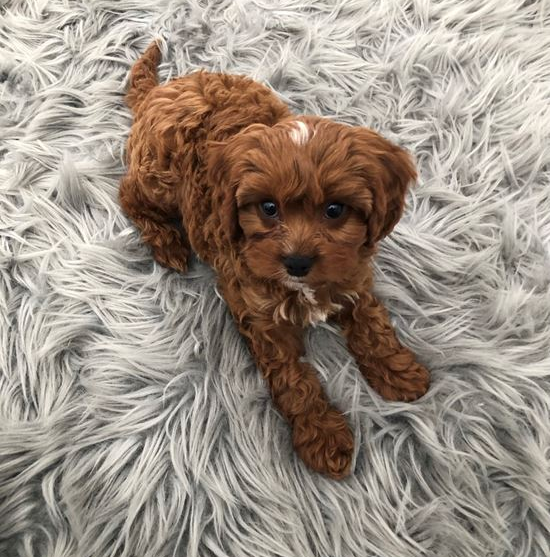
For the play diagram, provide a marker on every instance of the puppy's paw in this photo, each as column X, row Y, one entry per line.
column 174, row 258
column 405, row 385
column 324, row 442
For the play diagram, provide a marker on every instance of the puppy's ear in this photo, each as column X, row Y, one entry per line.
column 227, row 161
column 223, row 183
column 388, row 170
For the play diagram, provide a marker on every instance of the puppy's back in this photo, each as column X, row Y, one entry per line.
column 222, row 103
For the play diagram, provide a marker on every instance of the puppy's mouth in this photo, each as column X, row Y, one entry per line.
column 291, row 282
column 294, row 283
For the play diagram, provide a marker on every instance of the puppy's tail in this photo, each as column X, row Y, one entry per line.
column 143, row 77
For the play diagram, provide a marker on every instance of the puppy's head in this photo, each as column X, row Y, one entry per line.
column 305, row 201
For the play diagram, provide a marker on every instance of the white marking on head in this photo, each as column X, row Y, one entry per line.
column 300, row 133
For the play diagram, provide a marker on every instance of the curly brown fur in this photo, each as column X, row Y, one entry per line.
column 205, row 152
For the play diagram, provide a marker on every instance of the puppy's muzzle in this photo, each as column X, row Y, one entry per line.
column 298, row 265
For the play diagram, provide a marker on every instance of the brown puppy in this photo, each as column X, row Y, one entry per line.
column 287, row 209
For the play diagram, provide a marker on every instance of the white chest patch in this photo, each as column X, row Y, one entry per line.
column 300, row 133
column 314, row 314
column 317, row 316
column 304, row 289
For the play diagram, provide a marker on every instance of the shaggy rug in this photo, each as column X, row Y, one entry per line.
column 132, row 419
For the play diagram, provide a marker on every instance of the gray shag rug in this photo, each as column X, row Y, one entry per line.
column 132, row 420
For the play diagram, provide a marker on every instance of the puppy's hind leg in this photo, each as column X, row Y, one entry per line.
column 160, row 229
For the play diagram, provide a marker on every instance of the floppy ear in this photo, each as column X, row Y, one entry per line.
column 226, row 164
column 220, row 178
column 388, row 170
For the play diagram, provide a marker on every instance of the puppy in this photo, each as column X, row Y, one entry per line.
column 287, row 210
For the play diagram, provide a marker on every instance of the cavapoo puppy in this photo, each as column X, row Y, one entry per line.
column 288, row 210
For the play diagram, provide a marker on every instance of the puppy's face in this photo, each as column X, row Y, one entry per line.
column 312, row 197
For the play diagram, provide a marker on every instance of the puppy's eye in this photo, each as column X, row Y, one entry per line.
column 269, row 209
column 334, row 210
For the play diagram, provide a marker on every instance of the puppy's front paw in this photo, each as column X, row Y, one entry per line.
column 400, row 384
column 324, row 442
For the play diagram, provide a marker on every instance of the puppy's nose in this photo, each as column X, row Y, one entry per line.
column 298, row 265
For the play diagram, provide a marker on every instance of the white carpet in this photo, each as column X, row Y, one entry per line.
column 132, row 420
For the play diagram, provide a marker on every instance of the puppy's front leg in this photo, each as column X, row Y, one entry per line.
column 320, row 433
column 390, row 368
